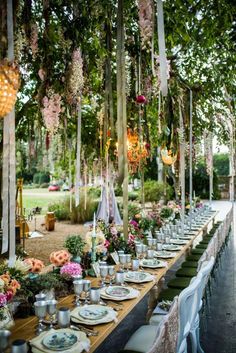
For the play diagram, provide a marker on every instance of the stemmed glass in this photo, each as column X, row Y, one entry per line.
column 138, row 249
column 51, row 310
column 111, row 272
column 78, row 289
column 40, row 309
column 87, row 285
column 4, row 339
column 144, row 250
column 103, row 274
column 128, row 260
column 122, row 259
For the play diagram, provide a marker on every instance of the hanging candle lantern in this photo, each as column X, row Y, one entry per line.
column 141, row 99
column 9, row 85
column 168, row 157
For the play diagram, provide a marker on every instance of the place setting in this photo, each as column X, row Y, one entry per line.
column 164, row 254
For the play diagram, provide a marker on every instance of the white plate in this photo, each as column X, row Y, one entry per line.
column 59, row 341
column 178, row 241
column 187, row 237
column 117, row 291
column 92, row 312
column 95, row 314
column 138, row 277
column 171, row 247
column 134, row 293
column 164, row 254
column 152, row 263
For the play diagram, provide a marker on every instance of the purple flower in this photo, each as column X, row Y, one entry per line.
column 3, row 299
column 134, row 223
column 71, row 269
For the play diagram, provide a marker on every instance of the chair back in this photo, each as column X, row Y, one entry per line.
column 204, row 274
column 188, row 309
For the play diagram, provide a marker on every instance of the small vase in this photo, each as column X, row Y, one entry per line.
column 76, row 259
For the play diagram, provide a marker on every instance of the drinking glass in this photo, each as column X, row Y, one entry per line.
column 63, row 317
column 139, row 249
column 120, row 277
column 40, row 309
column 94, row 295
column 154, row 243
column 144, row 250
column 103, row 274
column 111, row 272
column 19, row 346
column 78, row 289
column 150, row 253
column 128, row 260
column 149, row 242
column 135, row 264
column 167, row 240
column 86, row 287
column 40, row 296
column 159, row 247
column 4, row 339
column 122, row 259
column 51, row 310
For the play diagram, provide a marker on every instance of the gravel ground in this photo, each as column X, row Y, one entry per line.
column 41, row 248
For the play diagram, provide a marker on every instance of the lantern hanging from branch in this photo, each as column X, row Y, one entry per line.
column 9, row 85
column 168, row 157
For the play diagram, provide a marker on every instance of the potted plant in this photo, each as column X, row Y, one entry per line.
column 75, row 245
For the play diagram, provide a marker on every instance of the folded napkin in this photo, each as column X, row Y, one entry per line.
column 83, row 342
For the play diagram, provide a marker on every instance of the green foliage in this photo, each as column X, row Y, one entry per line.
column 155, row 191
column 94, row 193
column 133, row 196
column 166, row 212
column 201, row 183
column 118, row 190
column 74, row 244
column 40, row 178
column 60, row 209
column 221, row 164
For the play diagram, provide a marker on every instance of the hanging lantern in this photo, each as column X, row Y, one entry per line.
column 168, row 157
column 136, row 151
column 141, row 99
column 9, row 85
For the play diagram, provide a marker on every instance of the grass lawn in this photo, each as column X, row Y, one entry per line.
column 41, row 198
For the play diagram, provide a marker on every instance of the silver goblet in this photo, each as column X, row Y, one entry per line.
column 135, row 264
column 138, row 249
column 103, row 274
column 19, row 346
column 78, row 289
column 51, row 310
column 40, row 309
column 122, row 259
column 120, row 277
column 86, row 288
column 128, row 260
column 94, row 295
column 40, row 296
column 150, row 253
column 111, row 271
column 4, row 339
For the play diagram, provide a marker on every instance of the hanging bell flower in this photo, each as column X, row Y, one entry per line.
column 9, row 85
column 141, row 99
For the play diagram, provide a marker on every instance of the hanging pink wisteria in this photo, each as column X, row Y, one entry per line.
column 76, row 78
column 146, row 22
column 51, row 111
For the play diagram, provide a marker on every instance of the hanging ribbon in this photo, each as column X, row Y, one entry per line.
column 78, row 153
column 85, row 184
column 190, row 150
column 162, row 48
column 182, row 164
column 70, row 174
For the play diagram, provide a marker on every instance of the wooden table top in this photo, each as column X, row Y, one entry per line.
column 25, row 328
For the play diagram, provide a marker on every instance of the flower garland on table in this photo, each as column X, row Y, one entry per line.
column 145, row 12
column 51, row 111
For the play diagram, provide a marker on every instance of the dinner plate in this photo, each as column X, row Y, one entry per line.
column 138, row 277
column 172, row 247
column 133, row 293
column 93, row 313
column 117, row 291
column 187, row 237
column 59, row 341
column 164, row 254
column 152, row 263
column 178, row 241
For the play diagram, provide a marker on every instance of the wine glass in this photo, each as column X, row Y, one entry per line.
column 128, row 260
column 103, row 274
column 144, row 250
column 40, row 309
column 51, row 309
column 138, row 249
column 87, row 285
column 111, row 271
column 122, row 259
column 78, row 289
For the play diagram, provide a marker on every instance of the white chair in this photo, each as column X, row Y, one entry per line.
column 161, row 338
column 203, row 274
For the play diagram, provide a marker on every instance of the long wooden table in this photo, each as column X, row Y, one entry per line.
column 25, row 328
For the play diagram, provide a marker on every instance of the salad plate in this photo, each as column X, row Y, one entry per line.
column 117, row 291
column 178, row 241
column 172, row 247
column 93, row 313
column 138, row 277
column 153, row 263
column 164, row 254
column 59, row 341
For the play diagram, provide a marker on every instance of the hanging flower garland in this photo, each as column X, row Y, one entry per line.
column 51, row 111
column 157, row 73
column 208, row 151
column 76, row 78
column 137, row 152
column 146, row 22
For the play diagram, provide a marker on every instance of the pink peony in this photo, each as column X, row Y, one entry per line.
column 71, row 269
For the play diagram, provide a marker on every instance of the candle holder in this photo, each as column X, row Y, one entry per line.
column 91, row 271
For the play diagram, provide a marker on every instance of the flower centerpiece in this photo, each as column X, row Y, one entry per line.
column 59, row 258
column 71, row 269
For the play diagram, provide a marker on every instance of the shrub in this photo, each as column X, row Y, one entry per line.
column 118, row 190
column 133, row 196
column 40, row 178
column 155, row 190
column 61, row 211
column 94, row 192
column 44, row 185
column 74, row 244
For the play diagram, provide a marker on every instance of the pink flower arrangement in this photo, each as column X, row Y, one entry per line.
column 113, row 230
column 71, row 269
column 51, row 111
column 3, row 299
column 107, row 243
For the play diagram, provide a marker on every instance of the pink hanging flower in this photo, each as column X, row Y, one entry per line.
column 146, row 22
column 51, row 111
column 42, row 74
column 76, row 78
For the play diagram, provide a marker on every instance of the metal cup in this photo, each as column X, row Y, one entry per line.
column 149, row 242
column 40, row 309
column 63, row 317
column 4, row 338
column 150, row 254
column 135, row 264
column 94, row 295
column 40, row 296
column 120, row 277
column 51, row 306
column 120, row 252
column 159, row 246
column 19, row 346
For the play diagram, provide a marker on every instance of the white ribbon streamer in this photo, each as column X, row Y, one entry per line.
column 162, row 48
column 78, row 153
